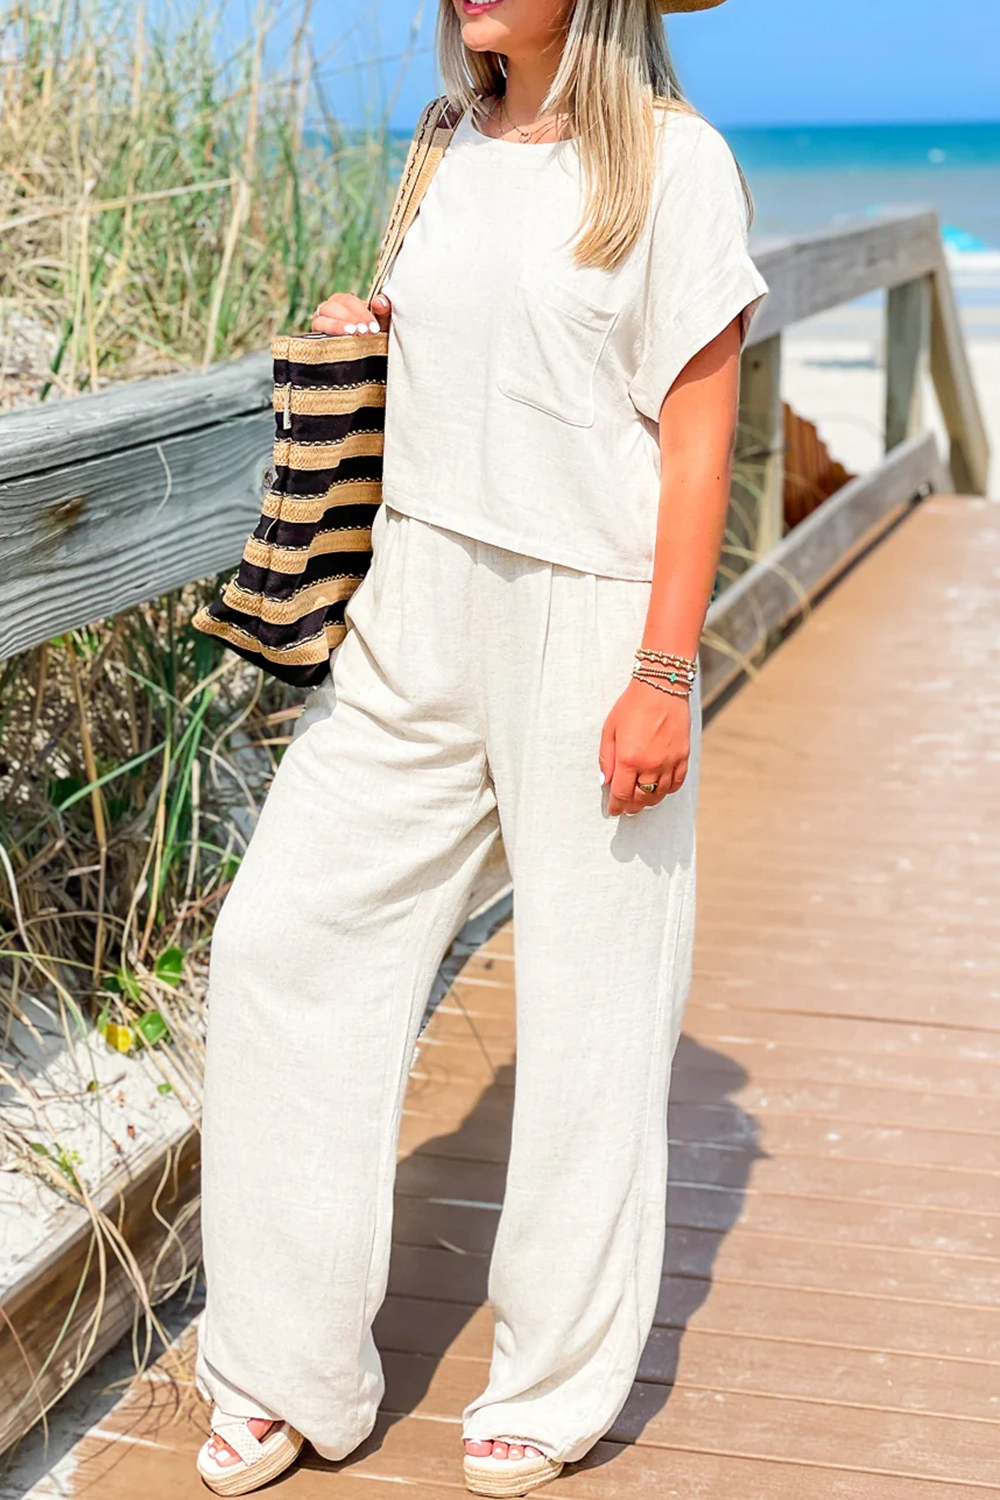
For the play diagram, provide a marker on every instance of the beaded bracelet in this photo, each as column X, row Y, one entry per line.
column 684, row 693
column 657, row 668
column 667, row 658
column 664, row 665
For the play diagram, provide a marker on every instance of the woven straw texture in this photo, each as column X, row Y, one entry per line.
column 284, row 609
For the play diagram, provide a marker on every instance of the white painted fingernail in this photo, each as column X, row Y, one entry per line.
column 350, row 327
column 604, row 779
column 373, row 328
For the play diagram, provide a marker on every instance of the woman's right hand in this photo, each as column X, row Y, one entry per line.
column 344, row 313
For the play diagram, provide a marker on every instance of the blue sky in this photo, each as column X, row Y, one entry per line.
column 752, row 62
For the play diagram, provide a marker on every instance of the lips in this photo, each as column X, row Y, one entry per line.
column 472, row 9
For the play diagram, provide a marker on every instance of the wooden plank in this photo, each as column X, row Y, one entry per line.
column 774, row 591
column 881, row 999
column 806, row 1316
column 60, row 434
column 742, row 1257
column 82, row 543
column 956, row 390
column 902, row 1444
column 485, row 1136
column 423, row 1451
column 728, row 1087
column 469, row 1225
column 810, row 273
column 949, row 1077
column 908, row 333
column 845, row 1034
column 811, row 1032
column 421, row 1457
column 40, row 1339
column 879, row 996
column 717, row 1362
column 721, row 1420
column 748, row 1258
column 960, row 1189
column 756, row 515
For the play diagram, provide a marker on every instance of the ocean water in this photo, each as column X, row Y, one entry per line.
column 804, row 177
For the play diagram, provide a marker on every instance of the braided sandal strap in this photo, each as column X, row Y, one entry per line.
column 236, row 1432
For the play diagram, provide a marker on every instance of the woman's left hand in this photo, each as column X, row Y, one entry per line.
column 647, row 738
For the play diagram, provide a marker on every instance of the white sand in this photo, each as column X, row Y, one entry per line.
column 102, row 1111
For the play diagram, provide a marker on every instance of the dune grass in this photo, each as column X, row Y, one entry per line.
column 162, row 206
column 163, row 203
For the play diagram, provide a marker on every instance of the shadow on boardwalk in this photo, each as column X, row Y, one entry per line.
column 714, row 1144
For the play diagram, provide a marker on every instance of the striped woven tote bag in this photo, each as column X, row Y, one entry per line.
column 284, row 608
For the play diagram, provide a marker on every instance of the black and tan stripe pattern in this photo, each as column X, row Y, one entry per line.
column 312, row 545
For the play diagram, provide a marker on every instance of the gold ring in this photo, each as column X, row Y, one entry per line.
column 649, row 787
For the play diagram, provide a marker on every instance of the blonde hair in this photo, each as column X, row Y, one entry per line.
column 614, row 75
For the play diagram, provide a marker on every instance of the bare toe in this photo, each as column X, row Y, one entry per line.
column 478, row 1449
column 224, row 1456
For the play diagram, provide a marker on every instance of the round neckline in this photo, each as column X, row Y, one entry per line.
column 539, row 149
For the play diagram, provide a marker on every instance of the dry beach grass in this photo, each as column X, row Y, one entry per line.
column 162, row 205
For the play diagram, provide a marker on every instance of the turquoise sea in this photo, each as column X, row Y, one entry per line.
column 804, row 177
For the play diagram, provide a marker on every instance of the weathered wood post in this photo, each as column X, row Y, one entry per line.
column 956, row 391
column 907, row 359
column 757, row 513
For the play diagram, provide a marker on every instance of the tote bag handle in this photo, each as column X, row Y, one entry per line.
column 431, row 139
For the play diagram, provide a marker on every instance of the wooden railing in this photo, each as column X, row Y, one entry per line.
column 900, row 251
column 113, row 499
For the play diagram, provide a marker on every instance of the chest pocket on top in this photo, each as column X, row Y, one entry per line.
column 550, row 349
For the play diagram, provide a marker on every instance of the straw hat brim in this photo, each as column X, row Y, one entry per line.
column 671, row 5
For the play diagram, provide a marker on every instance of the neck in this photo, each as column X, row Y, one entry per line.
column 529, row 80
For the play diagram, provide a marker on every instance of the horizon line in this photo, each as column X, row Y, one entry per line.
column 831, row 124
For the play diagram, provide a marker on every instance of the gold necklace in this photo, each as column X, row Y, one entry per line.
column 524, row 135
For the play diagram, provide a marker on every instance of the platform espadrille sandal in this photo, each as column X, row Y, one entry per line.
column 261, row 1459
column 507, row 1477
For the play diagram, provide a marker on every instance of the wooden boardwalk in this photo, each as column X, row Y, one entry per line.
column 829, row 1324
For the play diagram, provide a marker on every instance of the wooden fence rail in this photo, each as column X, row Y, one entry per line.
column 113, row 499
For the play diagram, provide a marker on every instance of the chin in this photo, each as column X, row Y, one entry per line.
column 483, row 35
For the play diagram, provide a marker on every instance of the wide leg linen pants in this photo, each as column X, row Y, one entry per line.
column 469, row 697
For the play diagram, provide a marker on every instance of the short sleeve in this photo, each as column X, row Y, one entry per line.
column 700, row 275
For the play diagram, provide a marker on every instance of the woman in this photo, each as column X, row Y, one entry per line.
column 567, row 316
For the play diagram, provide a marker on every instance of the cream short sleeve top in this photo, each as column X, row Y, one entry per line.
column 524, row 391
